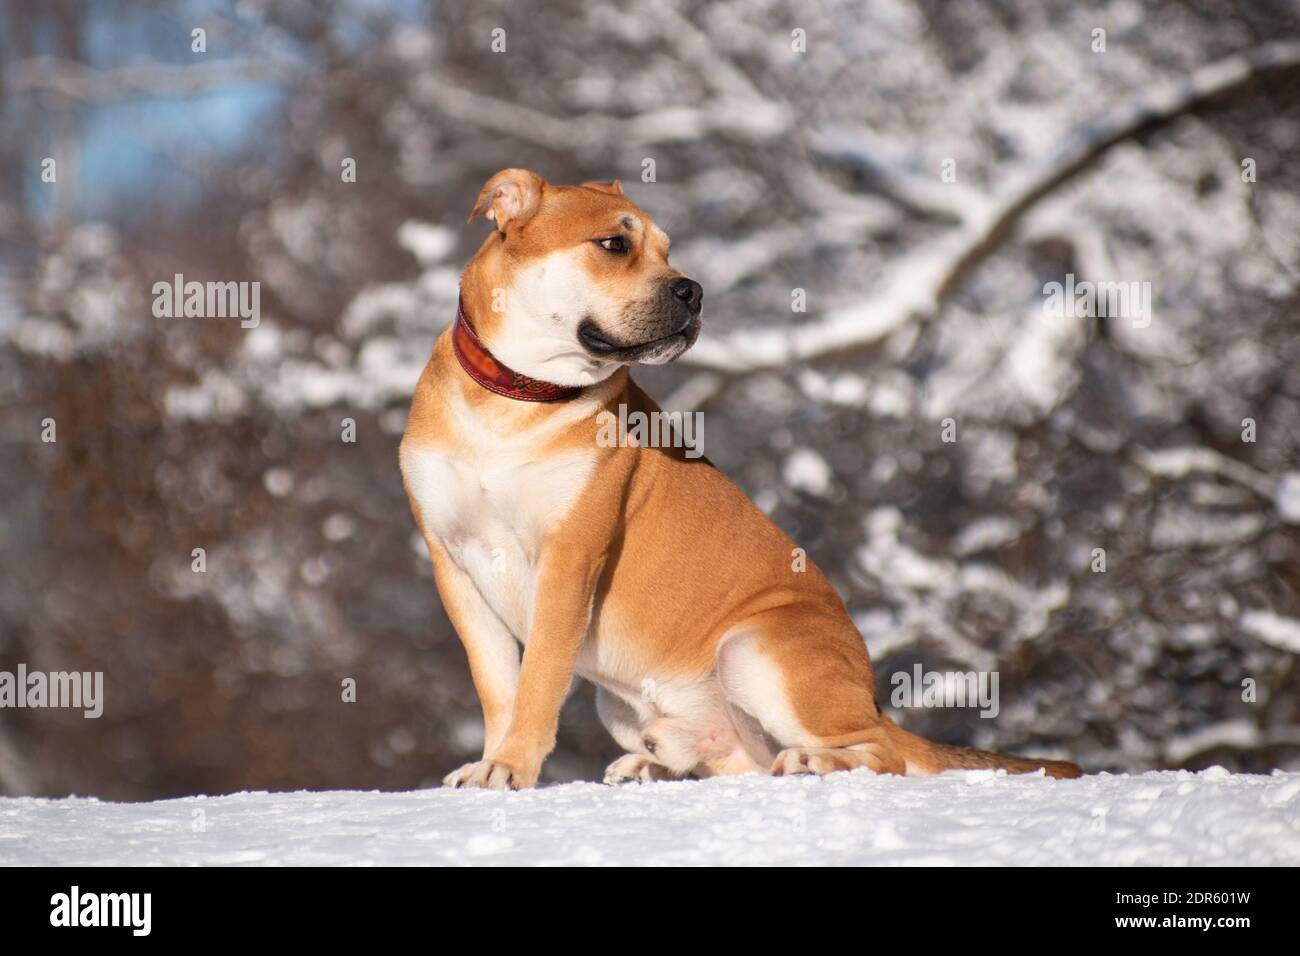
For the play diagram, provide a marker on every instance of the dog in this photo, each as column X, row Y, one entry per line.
column 642, row 569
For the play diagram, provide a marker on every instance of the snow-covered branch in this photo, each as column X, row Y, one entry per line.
column 917, row 286
column 1181, row 462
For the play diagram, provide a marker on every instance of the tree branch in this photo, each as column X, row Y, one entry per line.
column 917, row 288
column 77, row 81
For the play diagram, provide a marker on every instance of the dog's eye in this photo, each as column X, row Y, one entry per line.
column 613, row 244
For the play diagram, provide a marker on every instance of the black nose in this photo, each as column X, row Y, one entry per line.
column 690, row 292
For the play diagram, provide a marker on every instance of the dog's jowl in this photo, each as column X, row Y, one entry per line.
column 636, row 565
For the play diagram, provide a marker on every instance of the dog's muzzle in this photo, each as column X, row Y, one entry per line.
column 652, row 333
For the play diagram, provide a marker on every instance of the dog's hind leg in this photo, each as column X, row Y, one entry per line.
column 802, row 672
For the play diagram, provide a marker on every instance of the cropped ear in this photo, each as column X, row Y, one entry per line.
column 614, row 189
column 511, row 196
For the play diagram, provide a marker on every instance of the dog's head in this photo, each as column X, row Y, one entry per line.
column 580, row 280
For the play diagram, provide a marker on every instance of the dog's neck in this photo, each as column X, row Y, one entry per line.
column 488, row 371
column 543, row 352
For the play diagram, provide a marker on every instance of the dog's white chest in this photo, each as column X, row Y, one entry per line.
column 491, row 509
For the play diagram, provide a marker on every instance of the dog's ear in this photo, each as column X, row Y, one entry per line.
column 511, row 196
column 614, row 189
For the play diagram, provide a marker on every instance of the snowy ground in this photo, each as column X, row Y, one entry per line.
column 963, row 817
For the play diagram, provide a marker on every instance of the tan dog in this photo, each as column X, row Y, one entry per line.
column 641, row 569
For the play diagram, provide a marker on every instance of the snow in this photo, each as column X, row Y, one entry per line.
column 957, row 818
column 806, row 470
column 429, row 243
column 1240, row 733
column 1281, row 632
column 928, row 593
column 1287, row 497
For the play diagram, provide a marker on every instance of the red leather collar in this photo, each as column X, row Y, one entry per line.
column 480, row 365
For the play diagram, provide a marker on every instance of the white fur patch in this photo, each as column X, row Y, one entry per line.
column 755, row 684
column 490, row 505
column 539, row 333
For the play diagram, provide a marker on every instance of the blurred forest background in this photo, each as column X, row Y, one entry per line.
column 795, row 146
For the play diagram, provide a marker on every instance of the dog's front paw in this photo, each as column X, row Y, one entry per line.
column 489, row 775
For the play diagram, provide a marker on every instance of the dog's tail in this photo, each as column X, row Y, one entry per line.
column 925, row 757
